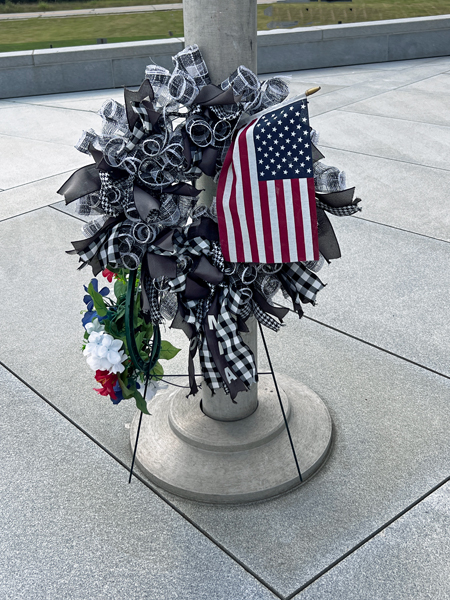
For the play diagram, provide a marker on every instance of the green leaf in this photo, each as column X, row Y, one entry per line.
column 139, row 339
column 123, row 377
column 114, row 330
column 157, row 372
column 148, row 330
column 127, row 393
column 168, row 351
column 120, row 288
column 141, row 404
column 99, row 303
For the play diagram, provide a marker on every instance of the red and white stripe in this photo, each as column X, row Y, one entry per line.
column 263, row 221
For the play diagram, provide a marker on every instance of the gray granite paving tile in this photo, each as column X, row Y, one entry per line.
column 391, row 288
column 389, row 72
column 408, row 103
column 358, row 73
column 33, row 260
column 344, row 76
column 417, row 143
column 25, row 161
column 391, row 446
column 438, row 84
column 44, row 123
column 299, row 86
column 73, row 528
column 396, row 65
column 410, row 559
column 397, row 194
column 378, row 83
column 344, row 97
column 391, row 418
column 31, row 196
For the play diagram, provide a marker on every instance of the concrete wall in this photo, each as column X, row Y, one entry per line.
column 80, row 68
column 337, row 45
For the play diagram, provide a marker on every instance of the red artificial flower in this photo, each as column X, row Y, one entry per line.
column 108, row 274
column 107, row 381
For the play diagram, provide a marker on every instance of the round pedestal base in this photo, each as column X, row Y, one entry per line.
column 187, row 453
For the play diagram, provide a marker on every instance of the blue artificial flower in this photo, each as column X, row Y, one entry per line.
column 91, row 312
column 119, row 394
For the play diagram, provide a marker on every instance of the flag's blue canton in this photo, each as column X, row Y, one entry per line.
column 283, row 144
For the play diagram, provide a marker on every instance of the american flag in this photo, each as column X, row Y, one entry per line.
column 265, row 197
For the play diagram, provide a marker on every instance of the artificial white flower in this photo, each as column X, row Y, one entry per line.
column 94, row 326
column 152, row 388
column 103, row 353
column 119, row 368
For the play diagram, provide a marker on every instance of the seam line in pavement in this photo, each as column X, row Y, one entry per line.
column 52, row 106
column 26, row 212
column 367, row 114
column 36, row 140
column 368, row 538
column 427, row 123
column 146, row 483
column 406, row 162
column 354, row 337
column 32, row 210
column 382, row 92
column 430, row 237
column 65, row 213
column 14, row 187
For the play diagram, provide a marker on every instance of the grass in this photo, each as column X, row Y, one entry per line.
column 76, row 31
column 34, row 33
column 357, row 11
column 45, row 5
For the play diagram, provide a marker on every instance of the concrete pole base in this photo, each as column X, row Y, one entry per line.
column 189, row 454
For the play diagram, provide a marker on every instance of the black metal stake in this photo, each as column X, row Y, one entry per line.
column 139, row 429
column 281, row 403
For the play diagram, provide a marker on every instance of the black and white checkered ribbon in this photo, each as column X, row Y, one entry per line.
column 239, row 356
column 340, row 211
column 159, row 78
column 296, row 277
column 86, row 139
column 227, row 361
column 264, row 318
column 110, row 194
column 190, row 62
column 139, row 133
column 105, row 249
column 216, row 256
column 153, row 301
column 209, row 369
column 244, row 83
column 178, row 284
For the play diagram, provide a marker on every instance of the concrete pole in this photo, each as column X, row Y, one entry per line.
column 250, row 459
column 225, row 31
